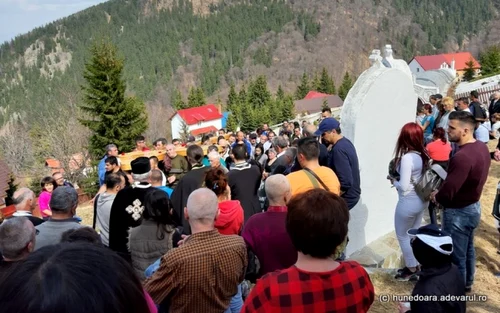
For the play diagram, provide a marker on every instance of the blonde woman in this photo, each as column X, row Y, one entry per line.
column 448, row 107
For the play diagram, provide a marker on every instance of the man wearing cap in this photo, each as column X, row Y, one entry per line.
column 438, row 278
column 127, row 208
column 342, row 159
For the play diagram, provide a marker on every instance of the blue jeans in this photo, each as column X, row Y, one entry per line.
column 236, row 302
column 461, row 224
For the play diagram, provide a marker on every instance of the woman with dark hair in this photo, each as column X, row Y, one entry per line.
column 259, row 156
column 411, row 161
column 157, row 233
column 74, row 278
column 48, row 185
column 269, row 167
column 439, row 149
column 230, row 218
column 427, row 123
column 317, row 224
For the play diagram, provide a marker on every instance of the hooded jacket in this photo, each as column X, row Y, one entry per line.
column 230, row 218
column 104, row 202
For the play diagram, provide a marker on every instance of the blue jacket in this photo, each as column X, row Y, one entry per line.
column 343, row 160
column 248, row 145
column 101, row 170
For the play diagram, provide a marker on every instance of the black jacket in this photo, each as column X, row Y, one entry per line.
column 439, row 282
column 323, row 159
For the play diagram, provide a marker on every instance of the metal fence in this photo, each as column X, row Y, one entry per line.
column 484, row 93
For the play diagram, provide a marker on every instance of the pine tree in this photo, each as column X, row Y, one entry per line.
column 280, row 93
column 316, row 83
column 326, row 83
column 469, row 70
column 232, row 98
column 490, row 60
column 177, row 101
column 191, row 99
column 258, row 94
column 303, row 88
column 288, row 108
column 114, row 118
column 200, row 97
column 248, row 120
column 242, row 95
column 345, row 86
column 232, row 122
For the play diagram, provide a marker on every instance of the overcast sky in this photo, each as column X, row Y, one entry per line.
column 21, row 16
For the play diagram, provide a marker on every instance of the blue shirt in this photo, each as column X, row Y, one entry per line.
column 428, row 130
column 343, row 160
column 101, row 170
column 167, row 190
column 247, row 144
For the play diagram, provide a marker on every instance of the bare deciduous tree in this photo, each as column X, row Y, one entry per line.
column 159, row 111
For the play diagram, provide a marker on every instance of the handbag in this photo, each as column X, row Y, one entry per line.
column 315, row 179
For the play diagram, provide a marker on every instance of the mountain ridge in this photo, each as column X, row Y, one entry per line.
column 204, row 48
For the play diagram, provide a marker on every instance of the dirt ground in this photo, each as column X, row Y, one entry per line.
column 487, row 265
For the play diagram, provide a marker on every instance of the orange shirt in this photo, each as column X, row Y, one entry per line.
column 438, row 150
column 300, row 182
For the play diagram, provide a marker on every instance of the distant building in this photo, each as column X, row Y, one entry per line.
column 197, row 121
column 313, row 102
column 454, row 61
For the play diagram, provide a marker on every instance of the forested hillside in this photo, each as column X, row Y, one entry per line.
column 169, row 45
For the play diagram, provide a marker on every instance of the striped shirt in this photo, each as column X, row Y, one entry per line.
column 202, row 275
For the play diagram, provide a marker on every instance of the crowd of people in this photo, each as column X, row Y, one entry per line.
column 256, row 223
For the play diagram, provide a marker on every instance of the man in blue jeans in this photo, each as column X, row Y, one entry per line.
column 461, row 191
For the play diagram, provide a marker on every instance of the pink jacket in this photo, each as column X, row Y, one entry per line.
column 43, row 202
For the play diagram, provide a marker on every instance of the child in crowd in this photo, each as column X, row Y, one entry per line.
column 48, row 185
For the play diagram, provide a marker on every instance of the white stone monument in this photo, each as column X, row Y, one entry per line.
column 381, row 101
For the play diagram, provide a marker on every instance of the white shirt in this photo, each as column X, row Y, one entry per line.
column 410, row 170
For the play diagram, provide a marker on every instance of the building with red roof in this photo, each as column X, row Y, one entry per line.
column 313, row 102
column 457, row 61
column 197, row 121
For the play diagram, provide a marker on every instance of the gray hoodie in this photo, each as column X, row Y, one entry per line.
column 104, row 203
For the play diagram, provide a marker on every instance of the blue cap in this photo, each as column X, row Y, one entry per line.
column 326, row 125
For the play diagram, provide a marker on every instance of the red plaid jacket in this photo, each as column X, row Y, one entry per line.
column 347, row 288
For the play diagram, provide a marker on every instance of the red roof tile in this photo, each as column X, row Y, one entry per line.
column 461, row 59
column 314, row 94
column 433, row 62
column 203, row 130
column 207, row 112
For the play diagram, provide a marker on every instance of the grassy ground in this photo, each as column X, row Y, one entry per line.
column 488, row 261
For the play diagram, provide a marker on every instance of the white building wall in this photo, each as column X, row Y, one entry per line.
column 177, row 125
column 415, row 67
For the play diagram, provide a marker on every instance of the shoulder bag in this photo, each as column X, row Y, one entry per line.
column 315, row 179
